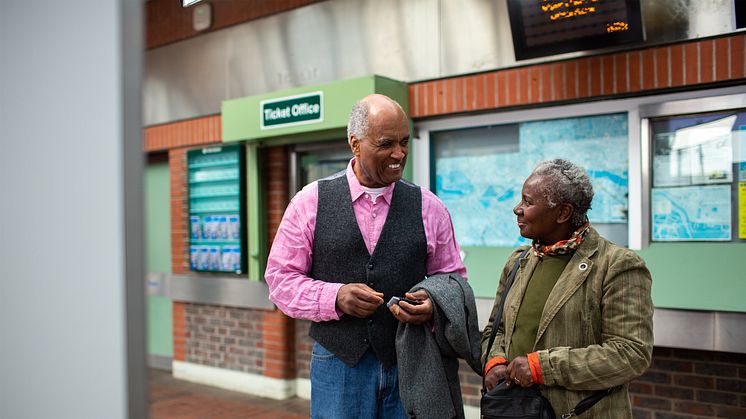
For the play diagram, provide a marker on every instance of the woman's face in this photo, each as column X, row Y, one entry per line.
column 536, row 219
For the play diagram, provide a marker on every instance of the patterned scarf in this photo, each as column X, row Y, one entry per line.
column 562, row 247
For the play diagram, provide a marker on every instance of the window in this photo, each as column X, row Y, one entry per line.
column 316, row 161
column 698, row 177
column 479, row 172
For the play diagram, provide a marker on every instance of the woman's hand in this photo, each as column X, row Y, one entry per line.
column 519, row 372
column 497, row 373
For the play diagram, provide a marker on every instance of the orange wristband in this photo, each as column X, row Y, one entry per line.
column 492, row 363
column 535, row 366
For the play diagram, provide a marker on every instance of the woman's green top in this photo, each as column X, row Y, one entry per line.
column 540, row 285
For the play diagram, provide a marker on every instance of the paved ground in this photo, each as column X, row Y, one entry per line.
column 176, row 399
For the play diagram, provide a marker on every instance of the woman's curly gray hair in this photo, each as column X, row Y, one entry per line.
column 566, row 183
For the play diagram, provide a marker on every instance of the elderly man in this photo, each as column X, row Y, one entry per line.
column 347, row 244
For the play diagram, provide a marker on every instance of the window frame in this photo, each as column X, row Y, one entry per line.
column 673, row 109
column 638, row 109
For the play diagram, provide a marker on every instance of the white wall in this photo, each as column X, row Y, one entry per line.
column 71, row 329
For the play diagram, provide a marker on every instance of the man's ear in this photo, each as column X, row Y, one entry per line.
column 355, row 146
column 565, row 213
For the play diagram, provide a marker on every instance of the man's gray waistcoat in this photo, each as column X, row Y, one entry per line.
column 340, row 256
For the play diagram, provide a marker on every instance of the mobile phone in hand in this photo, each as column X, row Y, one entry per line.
column 395, row 300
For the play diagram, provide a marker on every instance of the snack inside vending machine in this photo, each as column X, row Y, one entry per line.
column 216, row 209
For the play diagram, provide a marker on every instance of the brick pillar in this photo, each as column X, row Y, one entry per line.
column 278, row 342
column 277, row 173
column 303, row 348
column 179, row 210
column 179, row 331
column 278, row 329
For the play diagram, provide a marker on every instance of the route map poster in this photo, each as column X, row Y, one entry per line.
column 692, row 213
column 481, row 189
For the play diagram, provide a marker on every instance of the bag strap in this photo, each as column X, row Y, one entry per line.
column 584, row 404
column 499, row 312
column 588, row 402
column 501, row 305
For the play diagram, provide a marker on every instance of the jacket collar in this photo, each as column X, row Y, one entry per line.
column 575, row 273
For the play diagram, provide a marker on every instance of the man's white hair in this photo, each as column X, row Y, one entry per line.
column 358, row 124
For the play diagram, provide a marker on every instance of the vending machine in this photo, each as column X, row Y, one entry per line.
column 217, row 210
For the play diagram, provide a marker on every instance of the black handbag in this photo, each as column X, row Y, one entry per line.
column 516, row 402
column 504, row 402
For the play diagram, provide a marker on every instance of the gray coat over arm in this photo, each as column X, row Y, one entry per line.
column 428, row 357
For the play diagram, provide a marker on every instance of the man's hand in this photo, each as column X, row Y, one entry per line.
column 358, row 300
column 497, row 373
column 414, row 314
column 519, row 372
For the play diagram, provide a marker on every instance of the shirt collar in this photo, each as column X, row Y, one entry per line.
column 356, row 189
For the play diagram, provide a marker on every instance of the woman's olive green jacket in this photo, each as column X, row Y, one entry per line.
column 596, row 330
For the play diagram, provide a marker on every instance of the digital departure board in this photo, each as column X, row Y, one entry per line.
column 548, row 27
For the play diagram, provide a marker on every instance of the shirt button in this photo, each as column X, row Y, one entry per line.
column 371, row 283
column 370, row 322
column 370, row 266
column 366, row 341
column 373, row 215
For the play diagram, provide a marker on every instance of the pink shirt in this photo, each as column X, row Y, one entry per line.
column 302, row 297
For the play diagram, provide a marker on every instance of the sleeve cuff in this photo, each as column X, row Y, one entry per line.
column 492, row 363
column 535, row 366
column 328, row 302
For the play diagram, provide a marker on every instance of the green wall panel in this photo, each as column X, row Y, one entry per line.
column 160, row 332
column 698, row 276
column 158, row 256
column 483, row 265
column 157, row 218
column 692, row 276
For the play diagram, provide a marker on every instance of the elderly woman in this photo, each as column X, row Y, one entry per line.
column 578, row 317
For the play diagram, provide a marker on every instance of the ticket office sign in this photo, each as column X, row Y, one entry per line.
column 292, row 110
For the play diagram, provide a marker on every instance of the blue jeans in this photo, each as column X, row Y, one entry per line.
column 367, row 391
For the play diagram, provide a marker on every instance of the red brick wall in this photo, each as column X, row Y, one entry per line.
column 223, row 337
column 685, row 383
column 252, row 341
column 192, row 132
column 689, row 64
column 166, row 21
